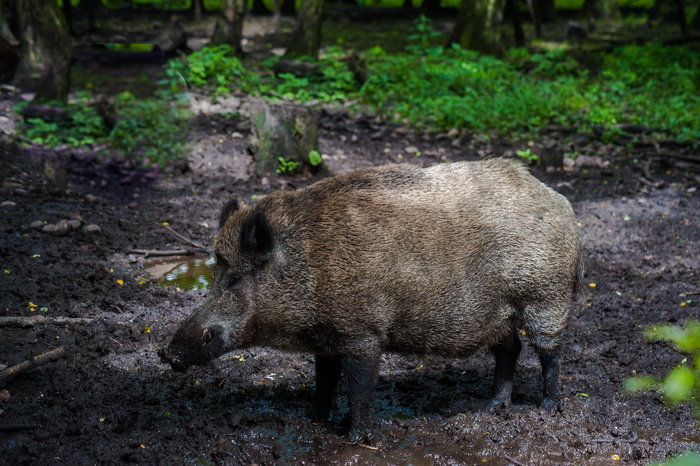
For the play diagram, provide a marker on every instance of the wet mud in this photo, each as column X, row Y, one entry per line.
column 110, row 400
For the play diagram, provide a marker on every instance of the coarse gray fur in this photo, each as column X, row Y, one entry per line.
column 440, row 261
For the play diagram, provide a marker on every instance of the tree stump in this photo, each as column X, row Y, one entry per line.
column 282, row 130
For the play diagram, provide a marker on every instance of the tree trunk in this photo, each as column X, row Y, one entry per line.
column 547, row 11
column 229, row 28
column 306, row 37
column 518, row 33
column 478, row 26
column 680, row 18
column 68, row 13
column 609, row 9
column 197, row 8
column 45, row 47
column 282, row 130
column 590, row 7
column 534, row 8
column 695, row 22
column 259, row 8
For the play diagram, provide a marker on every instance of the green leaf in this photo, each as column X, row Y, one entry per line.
column 678, row 384
column 315, row 158
column 641, row 383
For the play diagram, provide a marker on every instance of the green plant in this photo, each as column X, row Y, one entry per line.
column 315, row 158
column 527, row 154
column 149, row 129
column 422, row 40
column 286, row 166
column 81, row 126
column 216, row 68
column 687, row 458
column 682, row 383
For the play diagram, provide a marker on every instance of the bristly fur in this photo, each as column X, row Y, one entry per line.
column 441, row 261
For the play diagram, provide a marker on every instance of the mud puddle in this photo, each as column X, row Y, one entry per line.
column 190, row 273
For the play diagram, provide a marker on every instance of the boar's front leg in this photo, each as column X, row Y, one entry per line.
column 327, row 375
column 506, row 354
column 361, row 369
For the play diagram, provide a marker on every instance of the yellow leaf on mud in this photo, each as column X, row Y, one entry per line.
column 120, row 281
column 592, row 285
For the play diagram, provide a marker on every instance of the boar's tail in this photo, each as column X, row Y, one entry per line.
column 580, row 272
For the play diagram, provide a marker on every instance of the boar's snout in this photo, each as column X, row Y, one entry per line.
column 175, row 362
column 193, row 346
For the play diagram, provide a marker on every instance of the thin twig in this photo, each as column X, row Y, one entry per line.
column 154, row 253
column 513, row 460
column 12, row 372
column 362, row 445
column 187, row 240
column 31, row 321
column 17, row 427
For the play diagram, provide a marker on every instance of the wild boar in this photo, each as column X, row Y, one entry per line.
column 439, row 261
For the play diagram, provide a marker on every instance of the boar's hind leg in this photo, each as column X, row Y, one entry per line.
column 506, row 354
column 327, row 375
column 360, row 371
column 544, row 325
column 549, row 360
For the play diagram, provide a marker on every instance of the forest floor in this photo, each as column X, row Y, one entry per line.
column 110, row 400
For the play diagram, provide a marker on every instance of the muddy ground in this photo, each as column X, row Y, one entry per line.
column 110, row 400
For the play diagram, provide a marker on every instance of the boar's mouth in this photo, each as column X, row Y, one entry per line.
column 183, row 352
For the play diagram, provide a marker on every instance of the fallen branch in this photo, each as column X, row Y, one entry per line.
column 17, row 427
column 154, row 253
column 513, row 461
column 362, row 445
column 187, row 240
column 12, row 372
column 31, row 321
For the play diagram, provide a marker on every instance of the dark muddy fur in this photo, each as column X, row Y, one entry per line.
column 439, row 261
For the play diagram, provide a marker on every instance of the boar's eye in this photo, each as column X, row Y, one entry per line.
column 233, row 280
column 206, row 336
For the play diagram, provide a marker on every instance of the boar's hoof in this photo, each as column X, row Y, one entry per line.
column 500, row 403
column 361, row 438
column 550, row 404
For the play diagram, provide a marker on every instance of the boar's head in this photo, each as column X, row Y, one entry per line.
column 226, row 319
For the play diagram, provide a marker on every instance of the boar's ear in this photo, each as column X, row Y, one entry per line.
column 230, row 207
column 256, row 238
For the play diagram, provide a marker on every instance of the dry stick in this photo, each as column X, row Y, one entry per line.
column 31, row 321
column 153, row 253
column 17, row 427
column 187, row 240
column 514, row 461
column 12, row 372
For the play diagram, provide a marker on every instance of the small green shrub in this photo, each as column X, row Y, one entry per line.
column 82, row 126
column 526, row 154
column 149, row 130
column 682, row 383
column 286, row 166
column 423, row 40
column 152, row 130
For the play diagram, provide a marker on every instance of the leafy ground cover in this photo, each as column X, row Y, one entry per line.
column 652, row 87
